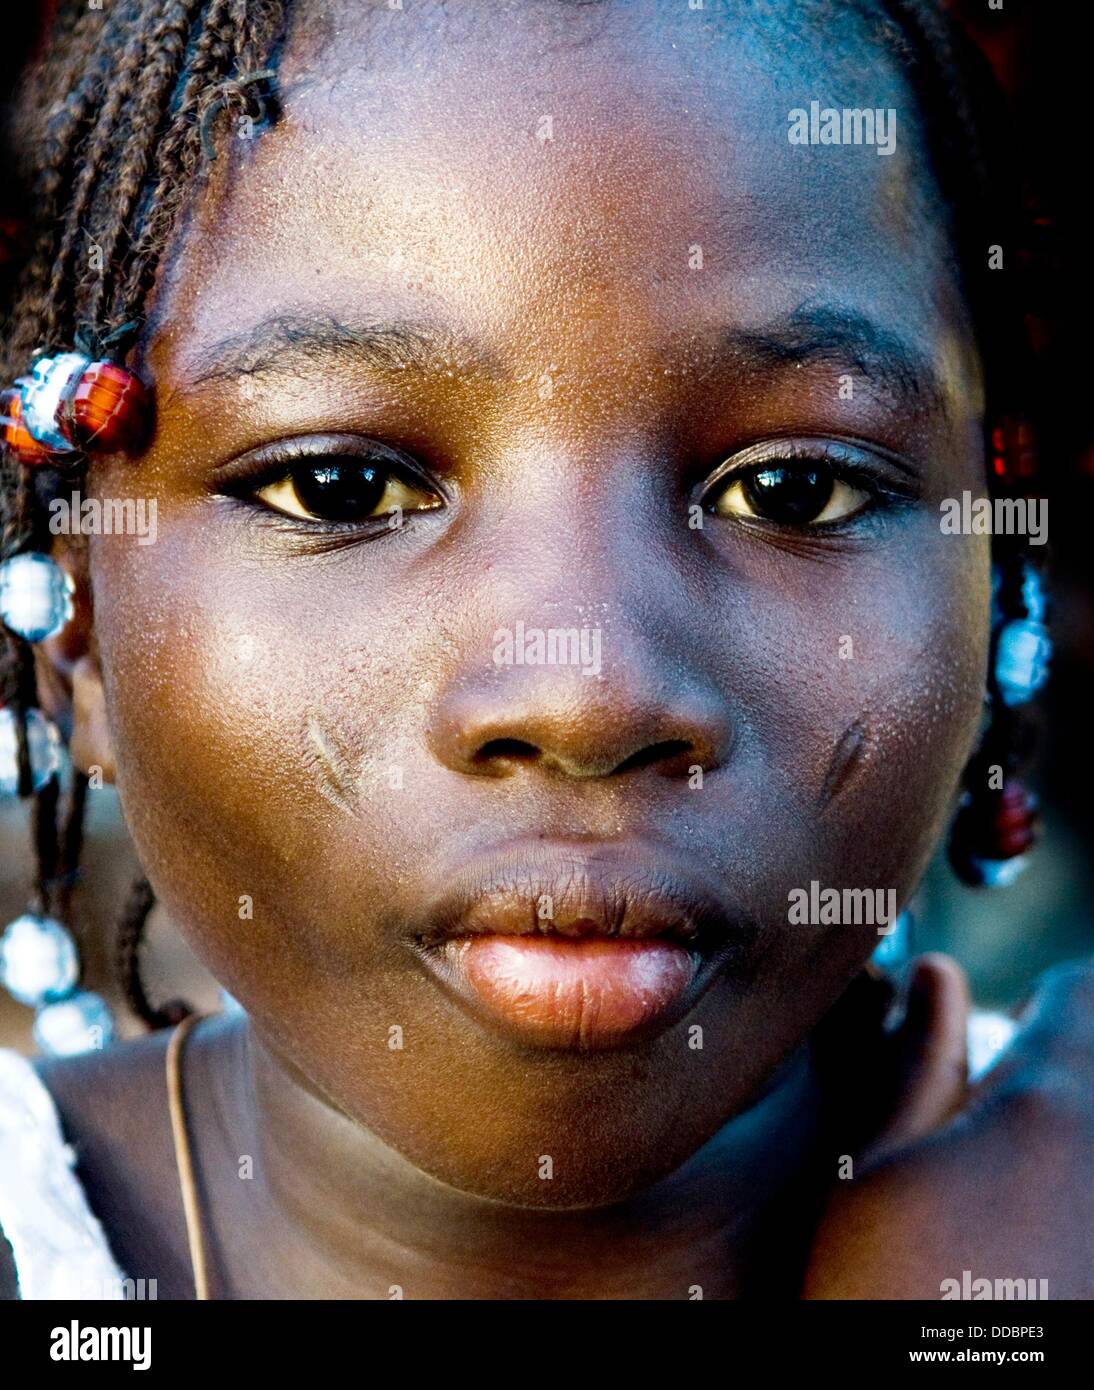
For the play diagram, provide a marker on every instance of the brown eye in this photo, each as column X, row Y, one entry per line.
column 346, row 490
column 790, row 494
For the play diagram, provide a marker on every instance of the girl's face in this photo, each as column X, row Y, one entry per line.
column 561, row 266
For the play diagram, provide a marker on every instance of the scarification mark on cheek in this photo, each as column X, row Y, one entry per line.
column 847, row 758
column 324, row 755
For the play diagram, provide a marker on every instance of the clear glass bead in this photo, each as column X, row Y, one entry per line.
column 43, row 744
column 49, row 382
column 81, row 1023
column 1000, row 873
column 38, row 960
column 35, row 596
column 1021, row 660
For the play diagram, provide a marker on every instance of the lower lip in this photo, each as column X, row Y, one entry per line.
column 560, row 992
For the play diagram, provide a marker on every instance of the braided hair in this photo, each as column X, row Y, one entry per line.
column 111, row 132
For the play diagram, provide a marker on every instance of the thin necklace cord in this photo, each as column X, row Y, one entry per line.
column 183, row 1158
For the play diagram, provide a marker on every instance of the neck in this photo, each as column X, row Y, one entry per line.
column 332, row 1208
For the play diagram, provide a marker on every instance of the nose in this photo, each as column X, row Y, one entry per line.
column 635, row 713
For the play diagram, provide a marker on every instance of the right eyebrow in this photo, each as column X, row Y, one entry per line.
column 289, row 344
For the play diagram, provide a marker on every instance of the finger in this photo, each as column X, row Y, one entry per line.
column 931, row 1052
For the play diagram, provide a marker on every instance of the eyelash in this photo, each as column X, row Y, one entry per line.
column 849, row 464
column 245, row 480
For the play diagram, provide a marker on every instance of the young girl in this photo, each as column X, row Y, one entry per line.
column 547, row 411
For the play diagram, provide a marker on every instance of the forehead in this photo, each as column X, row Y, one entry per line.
column 545, row 171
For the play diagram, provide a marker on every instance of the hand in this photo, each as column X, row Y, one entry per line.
column 996, row 1179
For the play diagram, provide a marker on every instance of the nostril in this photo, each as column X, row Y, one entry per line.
column 507, row 748
column 664, row 752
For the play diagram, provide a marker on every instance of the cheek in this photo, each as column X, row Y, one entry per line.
column 855, row 733
column 878, row 706
column 257, row 719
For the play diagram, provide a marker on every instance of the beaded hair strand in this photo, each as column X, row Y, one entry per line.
column 111, row 133
column 969, row 136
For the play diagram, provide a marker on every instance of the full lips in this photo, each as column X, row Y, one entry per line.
column 579, row 946
column 566, row 992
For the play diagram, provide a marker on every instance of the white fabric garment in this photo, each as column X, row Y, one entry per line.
column 60, row 1248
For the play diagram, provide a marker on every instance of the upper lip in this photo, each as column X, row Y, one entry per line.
column 579, row 891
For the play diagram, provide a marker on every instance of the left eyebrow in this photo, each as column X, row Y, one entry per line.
column 838, row 337
column 289, row 344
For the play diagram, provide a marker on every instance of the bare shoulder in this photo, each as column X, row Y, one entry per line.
column 116, row 1099
column 114, row 1112
column 110, row 1096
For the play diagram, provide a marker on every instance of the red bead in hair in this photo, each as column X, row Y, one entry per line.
column 109, row 410
column 992, row 828
column 1013, row 821
column 1014, row 452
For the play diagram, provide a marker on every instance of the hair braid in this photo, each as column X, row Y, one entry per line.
column 968, row 128
column 177, row 157
column 128, row 940
column 166, row 49
column 68, row 121
column 238, row 34
column 107, row 128
column 89, row 182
